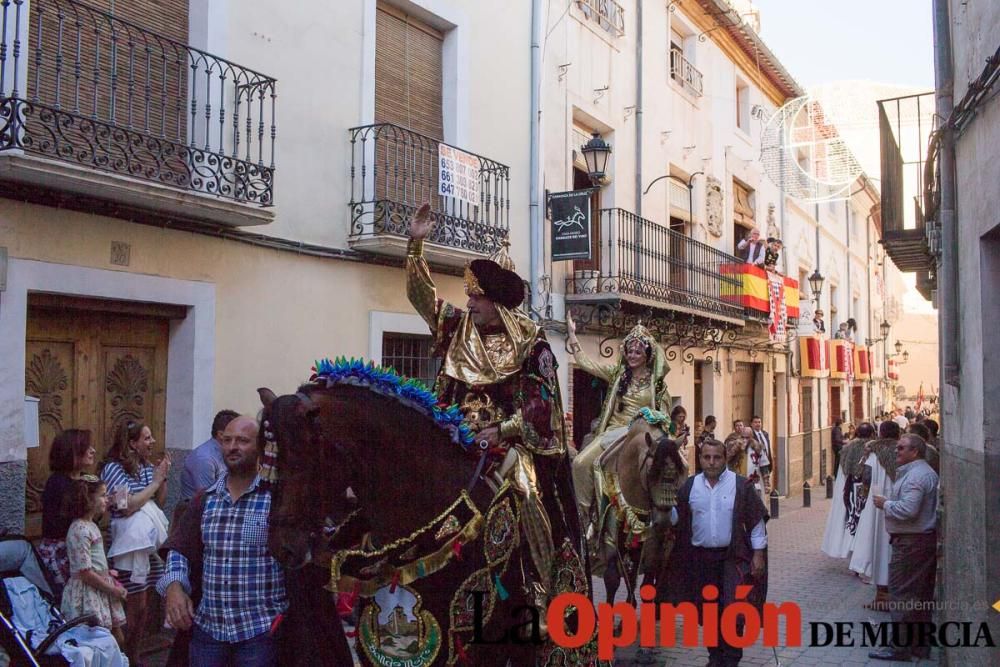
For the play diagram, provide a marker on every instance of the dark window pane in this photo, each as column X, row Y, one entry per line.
column 410, row 355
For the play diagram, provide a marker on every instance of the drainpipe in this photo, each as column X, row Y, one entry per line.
column 536, row 230
column 850, row 293
column 948, row 273
column 638, row 109
column 847, row 239
column 868, row 307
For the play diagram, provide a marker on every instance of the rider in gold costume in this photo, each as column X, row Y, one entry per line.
column 499, row 369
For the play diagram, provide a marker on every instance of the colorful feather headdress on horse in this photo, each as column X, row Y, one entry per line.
column 385, row 381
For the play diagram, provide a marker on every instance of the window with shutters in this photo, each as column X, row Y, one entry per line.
column 401, row 160
column 744, row 213
column 408, row 77
column 743, row 106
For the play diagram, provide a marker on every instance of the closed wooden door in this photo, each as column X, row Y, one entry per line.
column 744, row 388
column 807, row 428
column 91, row 369
column 834, row 404
column 858, row 403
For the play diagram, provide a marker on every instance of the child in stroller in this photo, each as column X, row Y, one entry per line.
column 32, row 629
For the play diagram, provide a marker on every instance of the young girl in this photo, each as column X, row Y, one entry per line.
column 91, row 588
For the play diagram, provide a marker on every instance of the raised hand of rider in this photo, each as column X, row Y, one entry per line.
column 570, row 328
column 421, row 223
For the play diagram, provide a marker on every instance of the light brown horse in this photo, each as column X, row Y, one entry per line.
column 641, row 474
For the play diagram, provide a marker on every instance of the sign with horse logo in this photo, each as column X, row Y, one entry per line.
column 571, row 231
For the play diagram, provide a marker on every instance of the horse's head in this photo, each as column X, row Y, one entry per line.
column 665, row 452
column 308, row 488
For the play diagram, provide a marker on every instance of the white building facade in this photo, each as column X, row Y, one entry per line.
column 682, row 93
column 215, row 209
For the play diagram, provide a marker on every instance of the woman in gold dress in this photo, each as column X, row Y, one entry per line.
column 636, row 381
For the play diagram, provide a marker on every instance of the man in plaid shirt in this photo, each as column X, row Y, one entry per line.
column 242, row 586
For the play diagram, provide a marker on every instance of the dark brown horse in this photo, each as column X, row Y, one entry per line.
column 442, row 547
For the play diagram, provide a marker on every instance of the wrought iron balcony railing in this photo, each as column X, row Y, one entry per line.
column 606, row 13
column 83, row 86
column 394, row 170
column 905, row 126
column 641, row 259
column 682, row 71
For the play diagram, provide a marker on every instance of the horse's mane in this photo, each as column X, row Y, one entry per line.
column 387, row 382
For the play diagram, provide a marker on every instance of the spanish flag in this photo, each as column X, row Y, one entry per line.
column 792, row 299
column 750, row 288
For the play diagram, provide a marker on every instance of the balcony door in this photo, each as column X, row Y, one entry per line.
column 408, row 88
column 408, row 62
column 744, row 213
column 679, row 261
column 92, row 365
column 92, row 72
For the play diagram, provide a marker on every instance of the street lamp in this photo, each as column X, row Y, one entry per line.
column 816, row 283
column 596, row 153
column 899, row 347
column 906, row 356
column 884, row 328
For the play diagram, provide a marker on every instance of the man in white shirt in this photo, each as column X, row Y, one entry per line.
column 751, row 249
column 721, row 540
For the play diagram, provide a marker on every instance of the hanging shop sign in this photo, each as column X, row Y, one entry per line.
column 569, row 213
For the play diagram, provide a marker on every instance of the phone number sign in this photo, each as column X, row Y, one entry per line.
column 458, row 174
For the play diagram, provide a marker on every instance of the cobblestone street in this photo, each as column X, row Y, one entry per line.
column 822, row 586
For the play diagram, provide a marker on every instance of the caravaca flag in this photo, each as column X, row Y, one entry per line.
column 862, row 362
column 815, row 363
column 842, row 359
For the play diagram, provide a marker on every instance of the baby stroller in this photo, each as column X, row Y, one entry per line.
column 32, row 629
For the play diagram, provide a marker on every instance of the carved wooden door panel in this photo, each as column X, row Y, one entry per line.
column 91, row 370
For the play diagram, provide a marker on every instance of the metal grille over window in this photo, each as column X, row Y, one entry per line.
column 410, row 355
